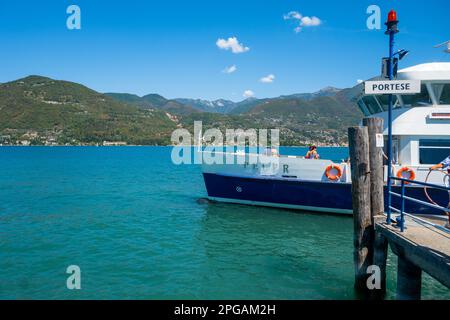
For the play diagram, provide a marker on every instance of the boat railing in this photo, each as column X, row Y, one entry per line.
column 257, row 154
column 403, row 198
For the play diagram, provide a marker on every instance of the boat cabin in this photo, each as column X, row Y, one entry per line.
column 421, row 122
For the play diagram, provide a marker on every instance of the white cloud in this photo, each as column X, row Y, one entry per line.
column 248, row 94
column 302, row 21
column 292, row 15
column 359, row 81
column 230, row 69
column 268, row 79
column 232, row 44
column 310, row 21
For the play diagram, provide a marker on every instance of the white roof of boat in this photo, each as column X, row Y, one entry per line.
column 426, row 71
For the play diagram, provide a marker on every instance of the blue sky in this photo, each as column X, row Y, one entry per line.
column 169, row 47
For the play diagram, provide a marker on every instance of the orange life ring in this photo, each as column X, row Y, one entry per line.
column 333, row 177
column 412, row 174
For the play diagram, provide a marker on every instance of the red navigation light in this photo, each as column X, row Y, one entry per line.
column 392, row 16
column 392, row 23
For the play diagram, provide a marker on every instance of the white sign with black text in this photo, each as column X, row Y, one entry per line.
column 379, row 140
column 392, row 87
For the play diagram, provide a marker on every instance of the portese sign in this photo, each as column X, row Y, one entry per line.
column 392, row 87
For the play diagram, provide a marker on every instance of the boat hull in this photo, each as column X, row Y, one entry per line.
column 316, row 196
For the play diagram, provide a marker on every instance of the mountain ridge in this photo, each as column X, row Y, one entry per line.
column 41, row 110
column 223, row 106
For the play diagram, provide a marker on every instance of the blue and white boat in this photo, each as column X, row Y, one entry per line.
column 421, row 138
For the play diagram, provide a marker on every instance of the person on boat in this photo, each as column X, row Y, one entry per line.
column 445, row 164
column 312, row 153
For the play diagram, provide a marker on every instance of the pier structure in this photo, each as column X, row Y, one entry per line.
column 423, row 246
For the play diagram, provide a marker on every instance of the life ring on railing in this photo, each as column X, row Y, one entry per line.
column 412, row 174
column 332, row 176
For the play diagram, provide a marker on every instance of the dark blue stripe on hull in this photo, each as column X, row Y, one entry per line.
column 320, row 195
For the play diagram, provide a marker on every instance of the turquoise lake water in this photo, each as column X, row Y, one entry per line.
column 132, row 222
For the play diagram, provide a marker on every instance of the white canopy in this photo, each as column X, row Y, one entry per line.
column 434, row 71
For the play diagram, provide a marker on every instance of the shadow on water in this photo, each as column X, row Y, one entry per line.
column 255, row 252
column 266, row 253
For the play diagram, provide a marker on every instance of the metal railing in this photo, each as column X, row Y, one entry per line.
column 403, row 197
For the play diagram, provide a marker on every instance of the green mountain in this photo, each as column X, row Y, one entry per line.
column 246, row 105
column 154, row 101
column 41, row 110
column 322, row 119
column 125, row 97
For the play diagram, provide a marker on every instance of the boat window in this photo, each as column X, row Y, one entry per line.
column 433, row 151
column 419, row 99
column 371, row 104
column 445, row 94
column 363, row 108
column 384, row 101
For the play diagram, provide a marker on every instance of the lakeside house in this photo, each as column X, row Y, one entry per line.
column 114, row 143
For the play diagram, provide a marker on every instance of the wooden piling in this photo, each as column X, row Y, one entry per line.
column 380, row 243
column 374, row 127
column 419, row 249
column 362, row 220
column 380, row 252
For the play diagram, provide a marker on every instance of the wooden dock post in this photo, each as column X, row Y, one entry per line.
column 362, row 220
column 380, row 243
column 419, row 249
column 374, row 127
